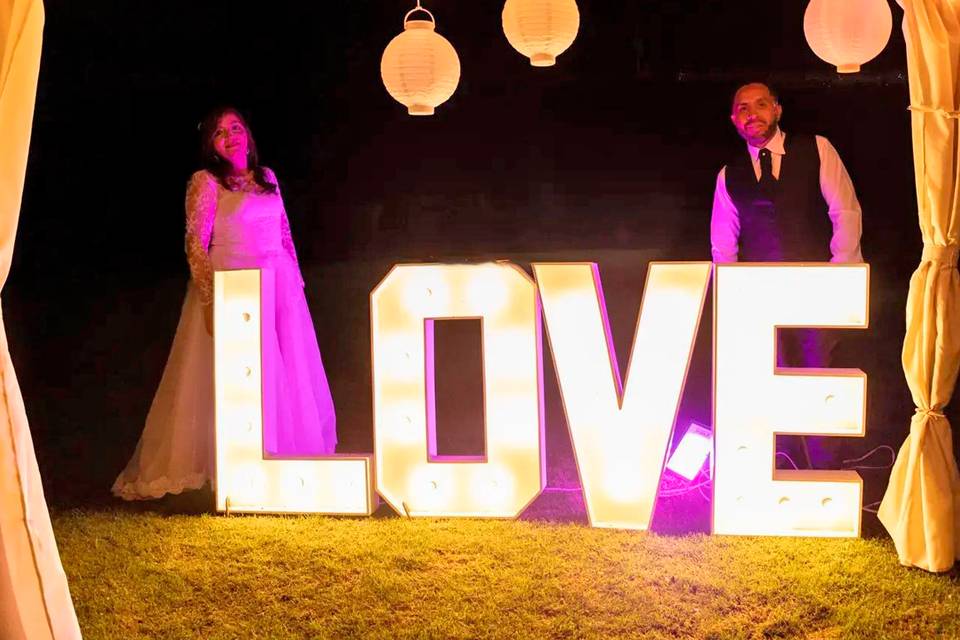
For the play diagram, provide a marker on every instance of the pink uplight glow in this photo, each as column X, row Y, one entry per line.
column 692, row 453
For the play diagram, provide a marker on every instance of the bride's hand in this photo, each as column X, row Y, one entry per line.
column 208, row 318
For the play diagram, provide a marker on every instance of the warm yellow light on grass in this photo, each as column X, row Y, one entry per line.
column 410, row 476
column 420, row 68
column 246, row 481
column 755, row 400
column 541, row 29
column 847, row 33
column 619, row 439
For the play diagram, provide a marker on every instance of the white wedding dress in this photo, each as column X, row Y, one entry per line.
column 241, row 227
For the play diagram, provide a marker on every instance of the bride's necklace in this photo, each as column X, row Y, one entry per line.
column 241, row 180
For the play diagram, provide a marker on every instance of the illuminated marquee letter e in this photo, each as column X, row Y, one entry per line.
column 755, row 400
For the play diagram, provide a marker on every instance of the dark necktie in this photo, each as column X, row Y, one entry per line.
column 766, row 167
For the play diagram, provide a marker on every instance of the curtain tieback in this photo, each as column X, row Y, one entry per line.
column 946, row 113
column 939, row 253
column 930, row 413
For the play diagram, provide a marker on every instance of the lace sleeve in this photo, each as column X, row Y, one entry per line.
column 286, row 236
column 201, row 206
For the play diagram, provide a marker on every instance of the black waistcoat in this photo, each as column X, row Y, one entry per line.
column 786, row 221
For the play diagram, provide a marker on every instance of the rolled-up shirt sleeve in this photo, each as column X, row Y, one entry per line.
column 724, row 223
column 844, row 208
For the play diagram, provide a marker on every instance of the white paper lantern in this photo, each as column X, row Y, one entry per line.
column 419, row 67
column 847, row 33
column 541, row 29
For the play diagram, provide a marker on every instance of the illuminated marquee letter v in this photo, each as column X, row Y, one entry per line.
column 620, row 439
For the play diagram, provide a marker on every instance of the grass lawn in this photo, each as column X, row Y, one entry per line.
column 147, row 575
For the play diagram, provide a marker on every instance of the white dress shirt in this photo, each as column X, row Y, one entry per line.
column 835, row 185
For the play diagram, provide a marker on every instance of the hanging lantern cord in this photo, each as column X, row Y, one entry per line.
column 419, row 8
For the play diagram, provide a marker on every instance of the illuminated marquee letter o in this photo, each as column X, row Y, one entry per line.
column 402, row 310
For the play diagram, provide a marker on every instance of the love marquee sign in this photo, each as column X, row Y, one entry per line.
column 620, row 431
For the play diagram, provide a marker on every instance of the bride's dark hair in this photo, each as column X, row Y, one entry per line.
column 220, row 168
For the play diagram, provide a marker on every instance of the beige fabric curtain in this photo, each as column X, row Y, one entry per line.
column 921, row 508
column 34, row 600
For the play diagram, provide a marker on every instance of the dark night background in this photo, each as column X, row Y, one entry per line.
column 609, row 156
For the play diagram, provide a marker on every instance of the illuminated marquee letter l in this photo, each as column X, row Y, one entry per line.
column 246, row 480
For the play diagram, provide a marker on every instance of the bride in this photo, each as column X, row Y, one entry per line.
column 235, row 220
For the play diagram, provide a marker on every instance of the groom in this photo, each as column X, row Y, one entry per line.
column 787, row 199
